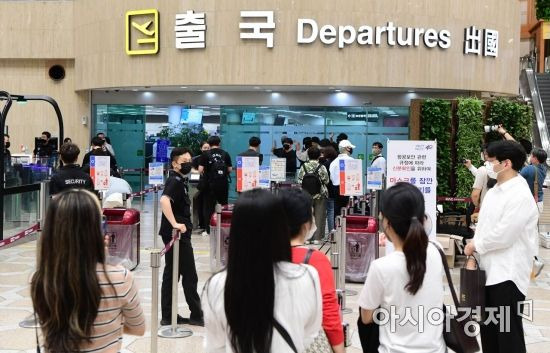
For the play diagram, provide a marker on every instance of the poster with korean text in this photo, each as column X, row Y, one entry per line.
column 248, row 173
column 351, row 177
column 415, row 162
column 100, row 167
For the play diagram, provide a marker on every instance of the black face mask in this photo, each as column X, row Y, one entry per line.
column 186, row 168
column 7, row 144
column 286, row 146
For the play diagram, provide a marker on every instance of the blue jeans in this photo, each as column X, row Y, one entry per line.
column 330, row 214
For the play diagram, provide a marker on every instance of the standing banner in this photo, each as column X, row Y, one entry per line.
column 278, row 169
column 265, row 177
column 375, row 178
column 162, row 150
column 415, row 162
column 351, row 177
column 156, row 173
column 248, row 173
column 100, row 167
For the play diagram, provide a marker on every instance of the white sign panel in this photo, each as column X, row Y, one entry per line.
column 265, row 177
column 156, row 173
column 415, row 162
column 278, row 169
column 374, row 178
column 248, row 173
column 100, row 167
column 351, row 177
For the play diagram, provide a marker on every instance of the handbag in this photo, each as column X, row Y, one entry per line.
column 472, row 287
column 319, row 345
column 454, row 332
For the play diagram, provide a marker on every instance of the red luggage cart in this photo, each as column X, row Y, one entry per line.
column 361, row 246
column 124, row 232
column 220, row 224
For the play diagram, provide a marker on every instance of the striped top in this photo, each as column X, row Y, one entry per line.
column 117, row 311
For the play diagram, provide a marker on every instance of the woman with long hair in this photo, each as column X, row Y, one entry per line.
column 298, row 207
column 82, row 304
column 407, row 284
column 261, row 296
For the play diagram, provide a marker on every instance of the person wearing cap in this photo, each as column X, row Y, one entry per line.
column 346, row 148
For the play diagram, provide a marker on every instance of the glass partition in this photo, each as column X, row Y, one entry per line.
column 20, row 212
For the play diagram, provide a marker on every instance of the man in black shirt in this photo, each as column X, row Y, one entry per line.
column 97, row 150
column 289, row 154
column 70, row 175
column 176, row 214
column 45, row 148
column 216, row 167
column 253, row 149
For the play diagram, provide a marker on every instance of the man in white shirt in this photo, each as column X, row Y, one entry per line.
column 506, row 240
column 378, row 161
column 346, row 148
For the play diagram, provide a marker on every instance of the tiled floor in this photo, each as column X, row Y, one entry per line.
column 17, row 264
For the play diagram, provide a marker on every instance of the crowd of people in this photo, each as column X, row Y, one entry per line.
column 276, row 293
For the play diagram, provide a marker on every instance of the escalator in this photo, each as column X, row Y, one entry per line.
column 535, row 89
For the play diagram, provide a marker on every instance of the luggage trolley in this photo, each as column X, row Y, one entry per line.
column 220, row 224
column 361, row 246
column 123, row 229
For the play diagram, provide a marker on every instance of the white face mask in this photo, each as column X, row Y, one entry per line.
column 491, row 171
column 312, row 230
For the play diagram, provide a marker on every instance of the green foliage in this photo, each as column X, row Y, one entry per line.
column 436, row 125
column 543, row 9
column 516, row 117
column 183, row 136
column 470, row 130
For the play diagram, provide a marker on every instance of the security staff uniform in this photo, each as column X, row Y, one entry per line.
column 69, row 177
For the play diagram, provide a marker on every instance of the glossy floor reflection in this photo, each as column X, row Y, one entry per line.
column 17, row 264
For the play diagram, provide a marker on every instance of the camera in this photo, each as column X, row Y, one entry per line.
column 489, row 128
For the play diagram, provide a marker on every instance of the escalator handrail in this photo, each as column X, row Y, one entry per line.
column 533, row 93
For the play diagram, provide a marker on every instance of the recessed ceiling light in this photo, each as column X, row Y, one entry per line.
column 135, row 90
column 337, row 90
column 269, row 90
column 411, row 91
column 200, row 90
column 184, row 87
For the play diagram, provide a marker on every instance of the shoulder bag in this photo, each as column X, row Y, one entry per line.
column 454, row 331
column 320, row 344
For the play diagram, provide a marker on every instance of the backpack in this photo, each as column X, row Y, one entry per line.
column 311, row 181
column 217, row 169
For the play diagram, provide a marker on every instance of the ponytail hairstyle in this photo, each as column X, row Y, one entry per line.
column 403, row 206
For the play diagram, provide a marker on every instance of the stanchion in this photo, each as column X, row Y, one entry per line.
column 342, row 263
column 155, row 266
column 141, row 188
column 218, row 235
column 155, row 216
column 174, row 331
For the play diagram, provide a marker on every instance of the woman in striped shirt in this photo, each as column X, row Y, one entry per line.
column 82, row 303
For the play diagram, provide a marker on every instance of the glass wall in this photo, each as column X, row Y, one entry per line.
column 129, row 126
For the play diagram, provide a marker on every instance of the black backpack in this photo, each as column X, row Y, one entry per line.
column 217, row 169
column 311, row 181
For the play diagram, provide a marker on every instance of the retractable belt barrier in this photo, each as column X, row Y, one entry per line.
column 32, row 229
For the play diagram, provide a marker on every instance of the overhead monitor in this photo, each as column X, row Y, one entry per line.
column 191, row 116
column 248, row 118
